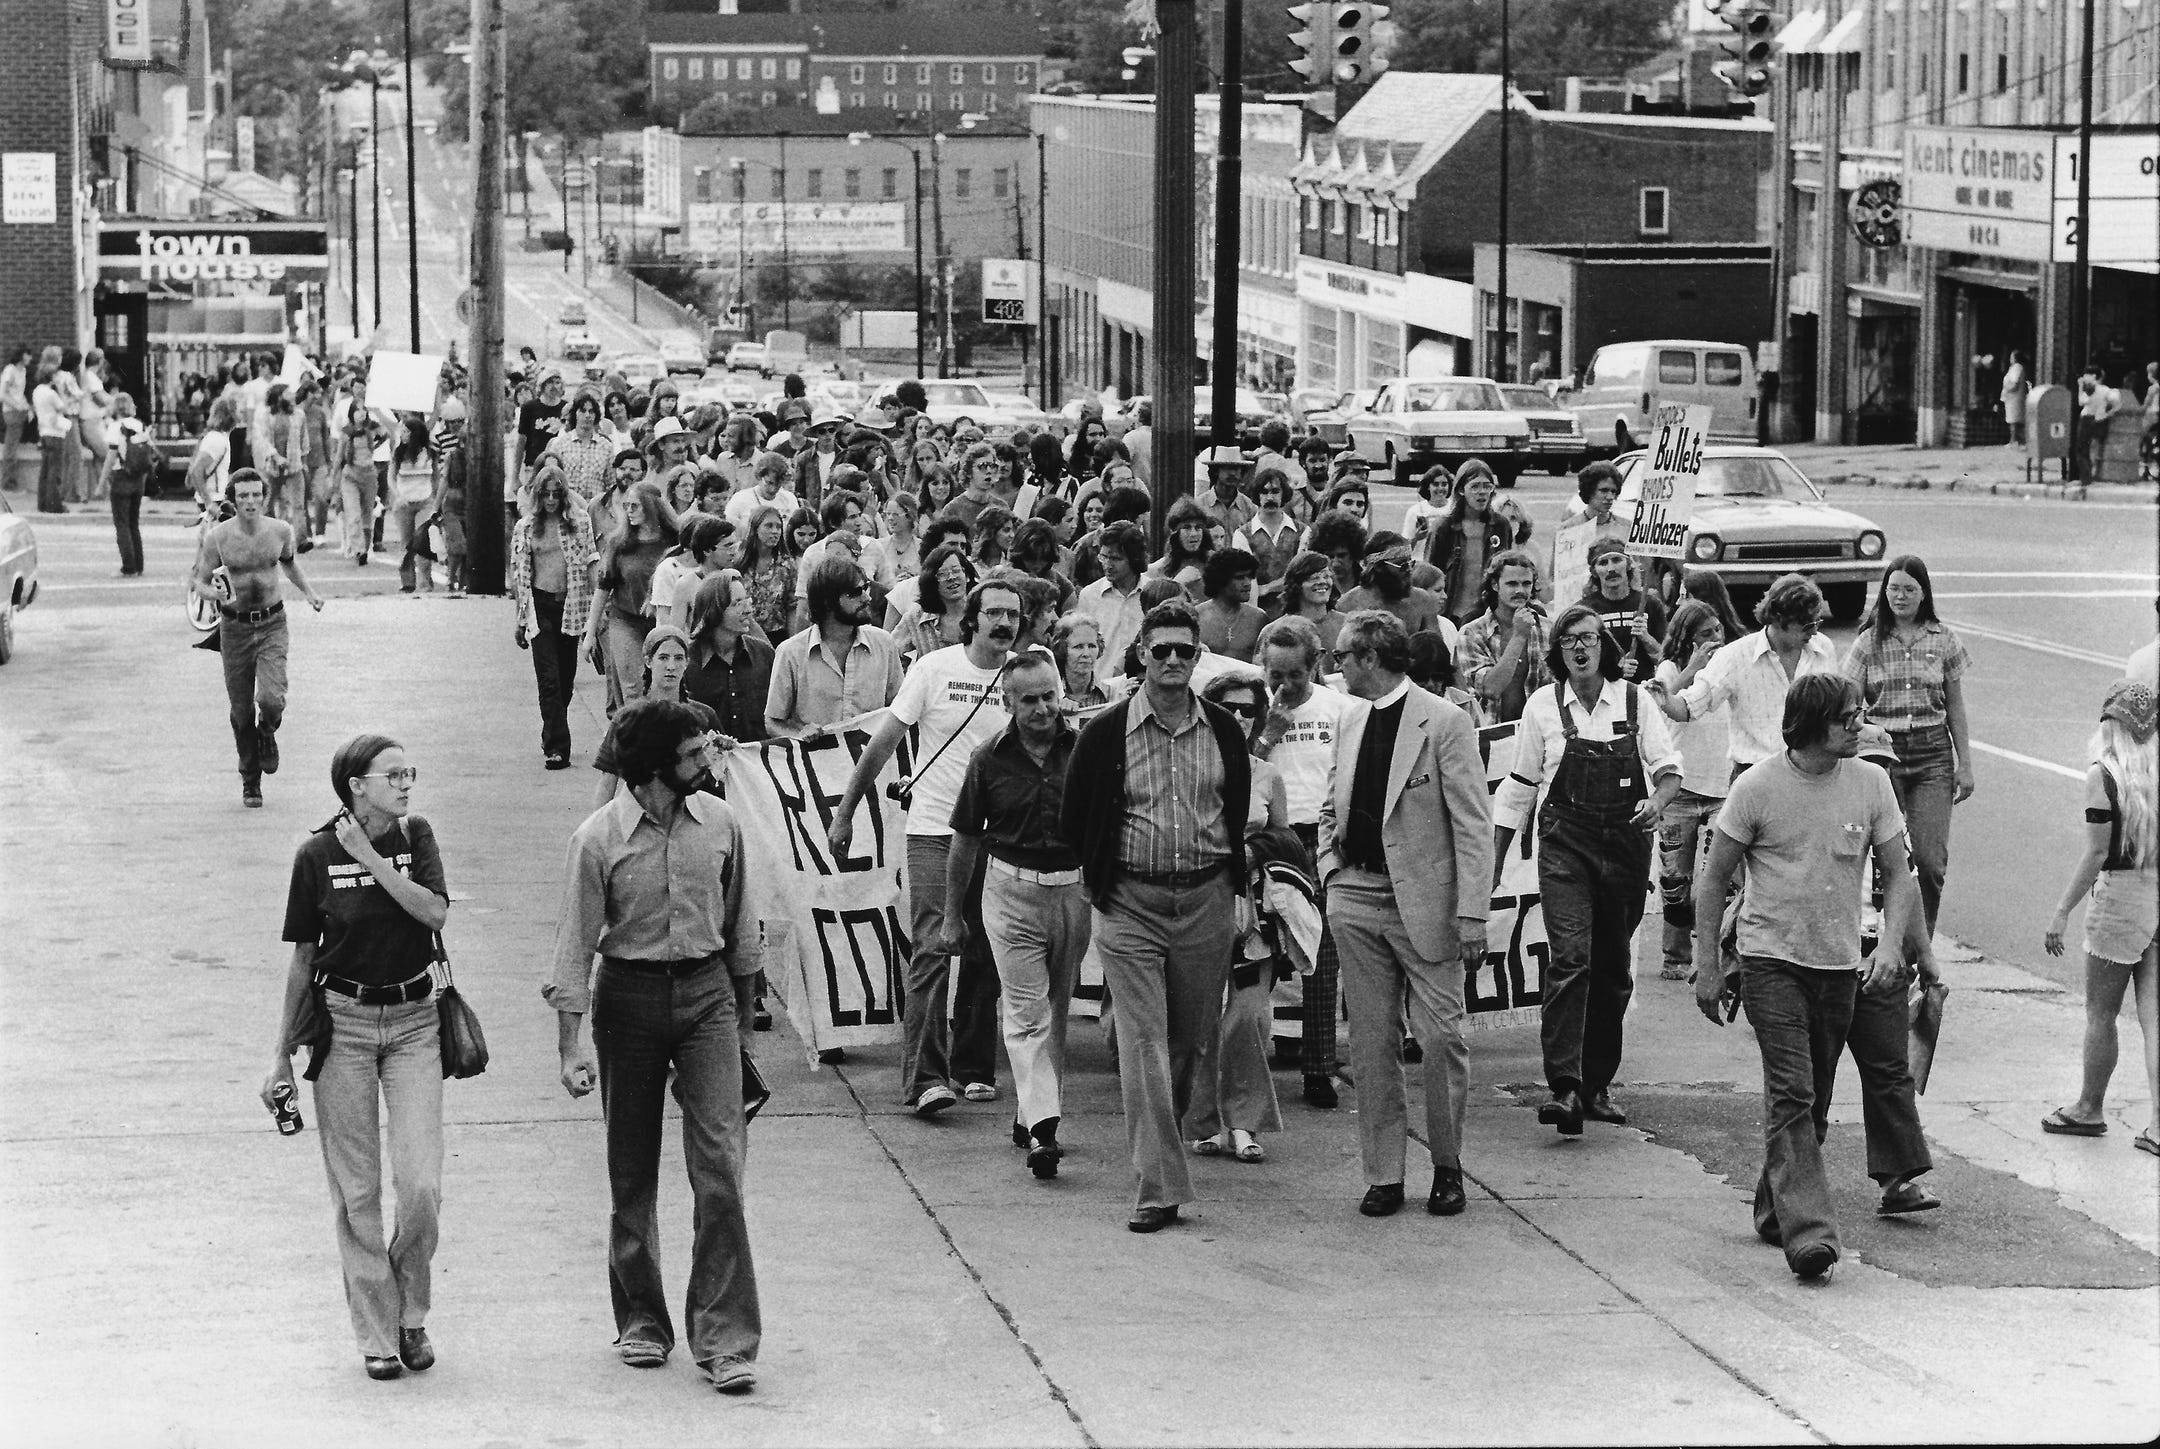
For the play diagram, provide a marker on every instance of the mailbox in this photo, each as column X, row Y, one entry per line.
column 2048, row 414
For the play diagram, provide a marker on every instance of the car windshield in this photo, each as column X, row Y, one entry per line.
column 1531, row 399
column 1451, row 397
column 1751, row 476
column 954, row 395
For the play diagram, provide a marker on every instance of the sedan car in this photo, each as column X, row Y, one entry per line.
column 1757, row 517
column 1331, row 422
column 1417, row 422
column 638, row 367
column 18, row 573
column 580, row 346
column 572, row 314
column 746, row 357
column 1020, row 411
column 953, row 402
column 682, row 353
column 1556, row 439
column 1253, row 413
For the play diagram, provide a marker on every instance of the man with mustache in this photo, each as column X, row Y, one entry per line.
column 951, row 699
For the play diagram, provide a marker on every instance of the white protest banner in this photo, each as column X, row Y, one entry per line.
column 835, row 926
column 404, row 382
column 296, row 366
column 1667, row 499
column 1571, row 559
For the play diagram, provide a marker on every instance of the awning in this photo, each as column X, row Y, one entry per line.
column 1846, row 36
column 1799, row 30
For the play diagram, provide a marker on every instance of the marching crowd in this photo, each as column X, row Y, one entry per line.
column 1238, row 758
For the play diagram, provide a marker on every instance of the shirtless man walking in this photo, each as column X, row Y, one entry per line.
column 252, row 636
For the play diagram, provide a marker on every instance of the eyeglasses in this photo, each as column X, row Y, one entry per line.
column 396, row 777
column 1244, row 711
column 1584, row 642
column 849, row 593
column 1166, row 650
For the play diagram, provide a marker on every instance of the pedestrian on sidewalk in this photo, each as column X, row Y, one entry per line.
column 1233, row 1104
column 14, row 409
column 952, row 702
column 841, row 667
column 621, row 618
column 1800, row 823
column 551, row 578
column 1600, row 747
column 56, row 433
column 367, row 904
column 253, row 640
column 1405, row 858
column 1695, row 636
column 731, row 664
column 2015, row 382
column 357, row 439
column 2119, row 877
column 657, row 890
column 1910, row 668
column 277, row 454
column 1160, row 832
column 1503, row 649
column 135, row 463
column 666, row 665
column 1034, row 908
column 416, row 483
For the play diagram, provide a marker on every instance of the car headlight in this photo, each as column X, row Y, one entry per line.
column 1871, row 544
column 1705, row 548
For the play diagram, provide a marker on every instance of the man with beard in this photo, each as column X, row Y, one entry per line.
column 1633, row 616
column 951, row 700
column 656, row 889
column 839, row 668
column 252, row 638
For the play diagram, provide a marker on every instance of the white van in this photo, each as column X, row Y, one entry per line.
column 1627, row 381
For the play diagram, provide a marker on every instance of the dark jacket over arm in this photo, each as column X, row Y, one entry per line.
column 1094, row 807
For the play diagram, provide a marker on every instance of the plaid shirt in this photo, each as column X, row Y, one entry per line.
column 585, row 464
column 579, row 556
column 1910, row 682
column 1482, row 642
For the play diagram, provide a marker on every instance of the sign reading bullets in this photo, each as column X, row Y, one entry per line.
column 1668, row 488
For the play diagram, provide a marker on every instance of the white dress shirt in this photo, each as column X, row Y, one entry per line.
column 1746, row 676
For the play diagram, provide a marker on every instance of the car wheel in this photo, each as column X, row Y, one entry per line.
column 1507, row 477
column 1623, row 440
column 1846, row 601
column 7, row 630
column 1399, row 467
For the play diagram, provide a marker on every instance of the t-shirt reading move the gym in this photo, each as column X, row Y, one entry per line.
column 1807, row 837
column 358, row 930
column 940, row 691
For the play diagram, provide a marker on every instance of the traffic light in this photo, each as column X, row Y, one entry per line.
column 1341, row 43
column 1752, row 48
column 1315, row 61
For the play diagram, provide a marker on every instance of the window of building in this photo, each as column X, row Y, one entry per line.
column 740, row 177
column 889, row 183
column 721, row 97
column 957, row 101
column 989, row 75
column 1964, row 80
column 1020, row 74
column 855, row 75
column 852, row 182
column 767, row 98
column 1655, row 207
column 814, row 182
column 1320, row 340
column 768, row 69
column 697, row 67
column 963, row 182
column 892, row 100
column 922, row 74
column 670, row 68
column 794, row 68
column 959, row 74
column 704, row 183
column 1000, row 180
column 855, row 99
column 779, row 186
column 922, row 100
column 989, row 102
column 892, row 74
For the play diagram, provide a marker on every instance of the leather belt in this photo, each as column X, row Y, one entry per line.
column 681, row 966
column 417, row 988
column 1180, row 879
column 1034, row 877
column 251, row 616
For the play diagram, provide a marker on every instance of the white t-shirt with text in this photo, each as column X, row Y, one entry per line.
column 940, row 696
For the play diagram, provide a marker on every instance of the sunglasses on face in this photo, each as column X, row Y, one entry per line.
column 1167, row 651
column 1243, row 711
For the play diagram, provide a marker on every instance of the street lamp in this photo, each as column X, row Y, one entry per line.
column 359, row 68
column 858, row 138
column 742, row 193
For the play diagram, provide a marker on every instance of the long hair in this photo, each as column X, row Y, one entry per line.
column 2135, row 769
column 1302, row 568
column 1608, row 646
column 923, row 478
column 707, row 608
column 1184, row 513
column 989, row 523
column 1707, row 587
column 927, row 588
column 1686, row 628
column 1882, row 621
column 412, row 444
column 1489, row 587
column 660, row 520
column 755, row 554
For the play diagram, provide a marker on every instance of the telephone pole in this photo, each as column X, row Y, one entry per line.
column 1170, row 380
column 944, row 262
column 1229, row 196
column 484, row 348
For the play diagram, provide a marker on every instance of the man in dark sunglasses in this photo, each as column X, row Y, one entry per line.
column 1160, row 832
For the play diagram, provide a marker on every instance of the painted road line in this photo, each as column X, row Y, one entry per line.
column 2044, row 646
column 2048, row 765
column 2049, row 594
column 2038, row 574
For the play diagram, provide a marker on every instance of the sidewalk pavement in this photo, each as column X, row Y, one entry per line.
column 1997, row 471
column 172, row 1275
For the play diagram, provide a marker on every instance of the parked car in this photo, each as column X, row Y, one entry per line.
column 785, row 352
column 572, row 314
column 1626, row 383
column 1332, row 422
column 747, row 357
column 1417, row 422
column 1253, row 413
column 1757, row 517
column 682, row 353
column 1020, row 411
column 580, row 346
column 18, row 572
column 1556, row 443
column 953, row 402
column 738, row 394
column 638, row 368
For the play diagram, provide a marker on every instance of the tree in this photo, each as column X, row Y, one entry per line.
column 554, row 74
column 1550, row 39
column 284, row 52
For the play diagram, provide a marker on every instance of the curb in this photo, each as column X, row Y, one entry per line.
column 2070, row 491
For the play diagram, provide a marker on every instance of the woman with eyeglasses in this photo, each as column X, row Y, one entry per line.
column 897, row 533
column 1598, row 745
column 1235, row 1103
column 551, row 574
column 366, row 902
column 933, row 621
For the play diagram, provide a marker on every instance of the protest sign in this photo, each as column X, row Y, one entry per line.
column 834, row 926
column 1666, row 499
column 404, row 382
column 1571, row 558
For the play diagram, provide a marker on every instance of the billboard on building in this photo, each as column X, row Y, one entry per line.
column 804, row 228
column 213, row 251
column 2001, row 192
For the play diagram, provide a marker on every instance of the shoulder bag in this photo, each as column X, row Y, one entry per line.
column 464, row 1045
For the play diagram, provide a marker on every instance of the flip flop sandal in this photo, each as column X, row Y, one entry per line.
column 1208, row 1147
column 2067, row 1126
column 2146, row 1142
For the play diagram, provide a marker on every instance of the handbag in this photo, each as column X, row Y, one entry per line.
column 464, row 1045
column 755, row 1093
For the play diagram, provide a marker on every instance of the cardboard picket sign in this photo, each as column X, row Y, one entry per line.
column 1666, row 500
column 404, row 382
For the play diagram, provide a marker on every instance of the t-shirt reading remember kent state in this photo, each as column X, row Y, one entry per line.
column 939, row 693
column 359, row 932
column 1306, row 753
column 1807, row 837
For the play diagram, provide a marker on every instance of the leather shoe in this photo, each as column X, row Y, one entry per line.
column 1319, row 1090
column 1564, row 1111
column 1020, row 1135
column 384, row 1368
column 269, row 752
column 1042, row 1159
column 1447, row 1193
column 1382, row 1200
column 1151, row 1219
column 1812, row 1264
column 1601, row 1109
column 415, row 1350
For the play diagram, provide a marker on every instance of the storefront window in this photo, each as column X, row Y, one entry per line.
column 1320, row 358
column 1383, row 353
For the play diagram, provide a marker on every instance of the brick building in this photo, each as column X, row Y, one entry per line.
column 50, row 103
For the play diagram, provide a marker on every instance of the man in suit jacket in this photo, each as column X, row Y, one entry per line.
column 1406, row 857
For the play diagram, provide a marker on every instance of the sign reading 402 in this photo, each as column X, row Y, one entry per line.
column 1005, row 309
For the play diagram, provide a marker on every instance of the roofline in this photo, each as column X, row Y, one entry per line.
column 1685, row 123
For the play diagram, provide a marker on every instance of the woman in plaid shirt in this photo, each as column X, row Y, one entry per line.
column 1911, row 667
column 551, row 574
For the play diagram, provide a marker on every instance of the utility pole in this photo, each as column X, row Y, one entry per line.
column 916, row 156
column 787, row 262
column 944, row 263
column 352, row 241
column 485, row 462
column 375, row 183
column 1499, row 364
column 2080, row 257
column 562, row 194
column 1177, row 62
column 1229, row 195
column 1043, row 389
column 1027, row 367
column 412, row 210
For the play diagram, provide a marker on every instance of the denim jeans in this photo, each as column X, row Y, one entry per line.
column 554, row 657
column 127, row 530
column 383, row 1056
column 1879, row 1039
column 1680, row 837
column 1593, row 879
column 1925, row 779
column 644, row 1020
column 1801, row 1017
column 52, row 475
column 358, row 493
column 414, row 569
column 254, row 658
column 931, row 1054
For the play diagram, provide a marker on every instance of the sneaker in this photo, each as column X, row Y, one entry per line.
column 731, row 1375
column 641, row 1353
column 251, row 796
column 934, row 1100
